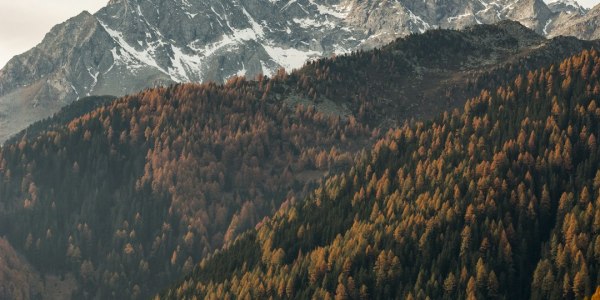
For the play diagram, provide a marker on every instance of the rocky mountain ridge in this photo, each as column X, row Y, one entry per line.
column 583, row 26
column 130, row 45
column 568, row 6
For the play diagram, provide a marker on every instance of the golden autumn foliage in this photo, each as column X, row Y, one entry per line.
column 169, row 174
column 500, row 201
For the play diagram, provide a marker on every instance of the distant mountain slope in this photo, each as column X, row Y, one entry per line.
column 582, row 26
column 499, row 201
column 130, row 45
column 567, row 6
column 130, row 196
column 63, row 117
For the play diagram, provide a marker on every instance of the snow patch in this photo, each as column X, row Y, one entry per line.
column 242, row 72
column 339, row 50
column 545, row 31
column 210, row 49
column 257, row 28
column 306, row 22
column 266, row 70
column 290, row 58
column 75, row 90
column 418, row 21
column 183, row 64
column 95, row 78
column 288, row 5
column 337, row 11
column 452, row 19
column 131, row 57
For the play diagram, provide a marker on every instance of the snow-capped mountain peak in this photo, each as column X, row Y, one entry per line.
column 132, row 44
column 566, row 6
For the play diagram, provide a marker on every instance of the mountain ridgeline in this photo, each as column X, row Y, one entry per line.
column 127, row 197
column 129, row 45
column 501, row 200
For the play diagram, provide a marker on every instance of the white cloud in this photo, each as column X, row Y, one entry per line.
column 23, row 23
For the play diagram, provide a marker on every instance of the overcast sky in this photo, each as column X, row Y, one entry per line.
column 586, row 3
column 23, row 23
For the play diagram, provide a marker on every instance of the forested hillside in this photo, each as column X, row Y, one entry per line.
column 501, row 200
column 121, row 201
column 422, row 75
column 134, row 193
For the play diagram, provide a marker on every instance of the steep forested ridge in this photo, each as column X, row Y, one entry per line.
column 135, row 192
column 499, row 201
column 131, row 195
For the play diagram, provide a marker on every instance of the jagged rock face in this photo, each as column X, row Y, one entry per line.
column 54, row 73
column 567, row 6
column 214, row 40
column 584, row 26
column 133, row 44
column 386, row 20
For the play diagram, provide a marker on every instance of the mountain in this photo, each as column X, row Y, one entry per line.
column 500, row 200
column 129, row 196
column 583, row 26
column 567, row 6
column 130, row 45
